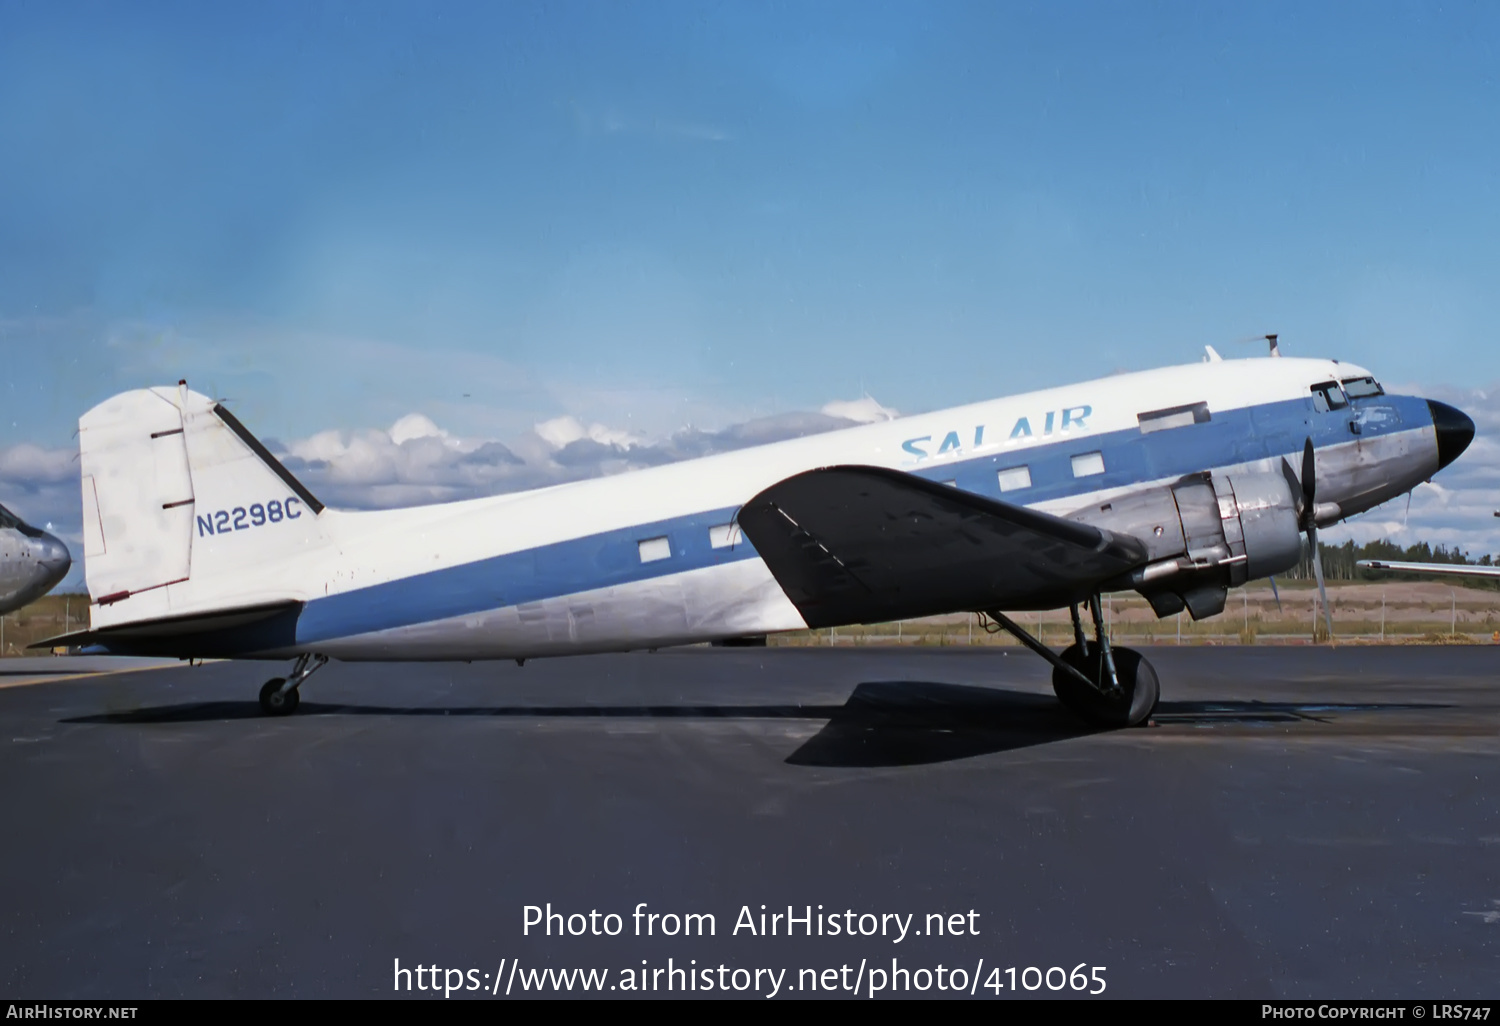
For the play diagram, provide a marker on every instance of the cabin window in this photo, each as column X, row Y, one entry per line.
column 1328, row 396
column 9, row 519
column 1087, row 464
column 724, row 536
column 1174, row 417
column 1362, row 388
column 653, row 549
column 1012, row 478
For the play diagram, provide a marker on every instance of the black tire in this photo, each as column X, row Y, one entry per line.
column 747, row 641
column 1139, row 688
column 274, row 701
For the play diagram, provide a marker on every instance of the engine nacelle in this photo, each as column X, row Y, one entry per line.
column 1205, row 534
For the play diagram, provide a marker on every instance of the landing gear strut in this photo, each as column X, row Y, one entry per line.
column 279, row 696
column 1100, row 683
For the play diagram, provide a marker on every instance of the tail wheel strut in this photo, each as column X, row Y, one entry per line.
column 280, row 696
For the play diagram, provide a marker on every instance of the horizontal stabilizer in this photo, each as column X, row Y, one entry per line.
column 860, row 544
column 218, row 634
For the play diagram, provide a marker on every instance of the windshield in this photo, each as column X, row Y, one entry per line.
column 1362, row 388
column 1328, row 396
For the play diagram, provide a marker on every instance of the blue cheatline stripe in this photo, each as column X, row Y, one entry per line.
column 1230, row 437
column 530, row 575
column 613, row 557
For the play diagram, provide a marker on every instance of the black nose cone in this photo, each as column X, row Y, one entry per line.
column 1454, row 431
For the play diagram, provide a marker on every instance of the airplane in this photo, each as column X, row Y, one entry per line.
column 1439, row 569
column 1178, row 483
column 31, row 562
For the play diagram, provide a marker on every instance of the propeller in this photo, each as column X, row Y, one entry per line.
column 1308, row 521
column 1269, row 340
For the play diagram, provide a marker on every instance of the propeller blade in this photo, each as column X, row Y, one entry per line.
column 1317, row 560
column 1309, row 477
column 1294, row 485
column 1276, row 595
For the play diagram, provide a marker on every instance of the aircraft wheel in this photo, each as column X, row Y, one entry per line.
column 274, row 702
column 1139, row 688
column 746, row 641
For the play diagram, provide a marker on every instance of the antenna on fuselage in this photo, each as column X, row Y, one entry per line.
column 1275, row 349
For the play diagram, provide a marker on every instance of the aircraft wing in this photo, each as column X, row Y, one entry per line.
column 1442, row 569
column 857, row 544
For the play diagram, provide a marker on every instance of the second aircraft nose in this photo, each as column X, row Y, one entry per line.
column 1454, row 431
column 53, row 555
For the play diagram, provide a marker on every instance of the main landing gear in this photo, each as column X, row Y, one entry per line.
column 279, row 695
column 1100, row 683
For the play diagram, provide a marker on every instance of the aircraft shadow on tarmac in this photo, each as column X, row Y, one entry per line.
column 904, row 723
column 884, row 723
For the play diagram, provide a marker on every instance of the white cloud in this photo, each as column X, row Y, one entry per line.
column 862, row 411
column 37, row 466
column 415, row 462
column 418, row 461
column 415, row 425
column 564, row 431
column 323, row 447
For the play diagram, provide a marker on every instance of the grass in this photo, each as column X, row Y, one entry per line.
column 1399, row 613
column 47, row 617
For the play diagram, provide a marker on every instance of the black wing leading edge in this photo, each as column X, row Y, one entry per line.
column 861, row 544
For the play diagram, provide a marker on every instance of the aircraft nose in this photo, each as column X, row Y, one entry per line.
column 53, row 556
column 1454, row 431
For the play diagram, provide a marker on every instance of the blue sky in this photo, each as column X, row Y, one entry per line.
column 649, row 216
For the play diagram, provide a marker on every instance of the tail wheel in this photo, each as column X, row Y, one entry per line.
column 1139, row 688
column 274, row 701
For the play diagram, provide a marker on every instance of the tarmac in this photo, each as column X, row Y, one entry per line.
column 1299, row 823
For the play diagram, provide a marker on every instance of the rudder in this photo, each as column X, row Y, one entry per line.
column 177, row 492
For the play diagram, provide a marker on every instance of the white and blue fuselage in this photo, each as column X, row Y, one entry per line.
column 652, row 558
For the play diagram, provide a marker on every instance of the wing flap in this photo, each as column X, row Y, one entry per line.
column 855, row 544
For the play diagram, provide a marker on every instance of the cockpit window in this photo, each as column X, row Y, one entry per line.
column 1362, row 388
column 1328, row 396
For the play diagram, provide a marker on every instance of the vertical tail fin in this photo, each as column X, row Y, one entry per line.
column 176, row 492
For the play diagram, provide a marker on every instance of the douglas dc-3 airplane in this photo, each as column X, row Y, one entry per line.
column 31, row 562
column 1178, row 483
